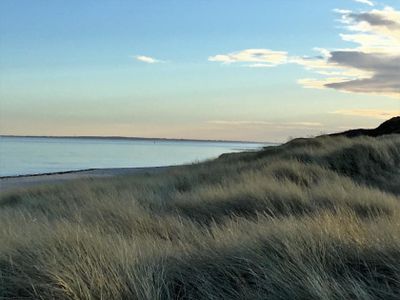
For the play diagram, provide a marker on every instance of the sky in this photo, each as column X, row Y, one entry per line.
column 259, row 70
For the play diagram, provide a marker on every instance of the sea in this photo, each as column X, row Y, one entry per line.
column 39, row 155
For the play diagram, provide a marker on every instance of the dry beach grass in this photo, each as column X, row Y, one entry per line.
column 311, row 219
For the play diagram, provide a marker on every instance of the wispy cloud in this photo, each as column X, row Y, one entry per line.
column 371, row 66
column 368, row 2
column 370, row 113
column 257, row 57
column 147, row 59
column 266, row 124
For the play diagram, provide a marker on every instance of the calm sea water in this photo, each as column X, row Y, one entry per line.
column 21, row 156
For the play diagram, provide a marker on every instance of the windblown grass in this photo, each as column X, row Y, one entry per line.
column 311, row 219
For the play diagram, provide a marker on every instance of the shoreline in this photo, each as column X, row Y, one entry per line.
column 133, row 138
column 49, row 173
column 18, row 182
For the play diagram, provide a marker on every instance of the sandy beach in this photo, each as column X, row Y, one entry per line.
column 10, row 183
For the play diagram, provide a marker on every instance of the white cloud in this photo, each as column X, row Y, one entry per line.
column 370, row 113
column 257, row 57
column 147, row 59
column 371, row 66
column 367, row 2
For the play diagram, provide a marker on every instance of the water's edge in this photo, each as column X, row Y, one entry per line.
column 105, row 170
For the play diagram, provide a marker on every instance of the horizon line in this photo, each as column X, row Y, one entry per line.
column 133, row 138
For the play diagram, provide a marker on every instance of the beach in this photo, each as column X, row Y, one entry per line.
column 13, row 183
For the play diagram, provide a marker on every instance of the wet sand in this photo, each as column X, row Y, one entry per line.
column 10, row 183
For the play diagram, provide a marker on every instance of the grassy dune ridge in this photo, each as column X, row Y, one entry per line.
column 311, row 219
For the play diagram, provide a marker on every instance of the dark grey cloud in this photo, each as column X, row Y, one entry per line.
column 385, row 70
column 374, row 19
column 379, row 83
column 373, row 66
column 366, row 61
column 378, row 53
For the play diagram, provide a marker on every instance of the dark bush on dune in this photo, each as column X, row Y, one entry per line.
column 389, row 127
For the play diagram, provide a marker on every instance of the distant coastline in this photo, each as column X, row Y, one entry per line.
column 135, row 139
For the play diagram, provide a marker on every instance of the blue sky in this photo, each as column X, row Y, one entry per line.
column 181, row 68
